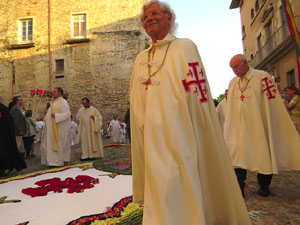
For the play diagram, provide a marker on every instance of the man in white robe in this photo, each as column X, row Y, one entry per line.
column 56, row 146
column 39, row 125
column 73, row 132
column 90, row 131
column 114, row 127
column 221, row 110
column 78, row 114
column 258, row 131
column 182, row 172
column 38, row 131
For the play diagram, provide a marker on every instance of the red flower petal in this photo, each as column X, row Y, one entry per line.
column 79, row 184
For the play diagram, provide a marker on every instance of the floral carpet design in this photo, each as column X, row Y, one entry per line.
column 123, row 212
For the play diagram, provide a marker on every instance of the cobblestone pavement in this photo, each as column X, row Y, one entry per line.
column 281, row 208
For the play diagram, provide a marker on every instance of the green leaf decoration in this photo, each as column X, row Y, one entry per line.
column 135, row 217
column 2, row 200
column 103, row 165
column 112, row 175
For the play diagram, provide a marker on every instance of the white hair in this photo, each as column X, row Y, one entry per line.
column 243, row 58
column 165, row 8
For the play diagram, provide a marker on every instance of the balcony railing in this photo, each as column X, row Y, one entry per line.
column 281, row 35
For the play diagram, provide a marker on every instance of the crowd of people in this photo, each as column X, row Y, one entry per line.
column 189, row 160
column 57, row 132
column 117, row 130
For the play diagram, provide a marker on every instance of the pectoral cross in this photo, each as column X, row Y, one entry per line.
column 148, row 82
column 242, row 97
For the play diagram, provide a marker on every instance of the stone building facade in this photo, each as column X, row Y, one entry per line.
column 87, row 47
column 266, row 38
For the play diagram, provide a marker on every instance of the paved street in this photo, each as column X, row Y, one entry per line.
column 281, row 208
column 34, row 164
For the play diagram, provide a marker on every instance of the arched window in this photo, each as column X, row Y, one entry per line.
column 256, row 6
column 252, row 14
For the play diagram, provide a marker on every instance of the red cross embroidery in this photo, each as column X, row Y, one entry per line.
column 268, row 87
column 190, row 73
column 200, row 83
column 196, row 91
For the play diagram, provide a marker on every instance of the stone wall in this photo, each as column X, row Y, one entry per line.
column 98, row 67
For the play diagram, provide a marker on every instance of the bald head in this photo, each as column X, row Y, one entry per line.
column 239, row 65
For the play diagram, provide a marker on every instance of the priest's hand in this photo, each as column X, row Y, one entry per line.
column 92, row 117
column 52, row 115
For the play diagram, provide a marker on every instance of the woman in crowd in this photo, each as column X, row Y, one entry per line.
column 294, row 105
column 28, row 138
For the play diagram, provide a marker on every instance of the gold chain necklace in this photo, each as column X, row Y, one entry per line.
column 148, row 82
column 242, row 90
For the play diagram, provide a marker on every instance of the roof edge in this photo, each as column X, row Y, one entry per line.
column 235, row 4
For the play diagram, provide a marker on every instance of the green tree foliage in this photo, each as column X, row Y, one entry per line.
column 220, row 97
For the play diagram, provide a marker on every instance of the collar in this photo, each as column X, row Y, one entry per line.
column 169, row 38
column 249, row 74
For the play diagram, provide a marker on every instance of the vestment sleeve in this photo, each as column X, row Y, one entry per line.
column 65, row 113
column 97, row 121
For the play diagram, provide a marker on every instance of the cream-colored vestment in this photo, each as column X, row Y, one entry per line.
column 221, row 111
column 73, row 132
column 63, row 122
column 258, row 132
column 115, row 130
column 181, row 168
column 90, row 133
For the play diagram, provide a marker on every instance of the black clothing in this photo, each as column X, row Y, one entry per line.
column 28, row 142
column 127, row 121
column 10, row 157
column 264, row 181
